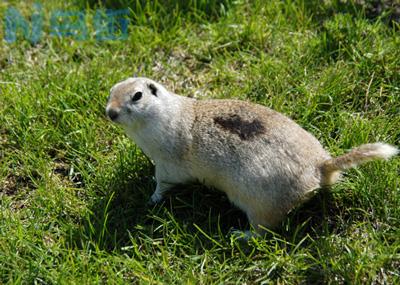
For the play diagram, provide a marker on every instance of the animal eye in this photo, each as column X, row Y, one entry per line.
column 137, row 96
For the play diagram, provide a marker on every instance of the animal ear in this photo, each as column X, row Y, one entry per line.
column 153, row 89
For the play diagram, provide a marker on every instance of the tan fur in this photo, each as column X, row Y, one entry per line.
column 362, row 154
column 265, row 162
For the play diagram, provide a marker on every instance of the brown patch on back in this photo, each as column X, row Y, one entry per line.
column 244, row 129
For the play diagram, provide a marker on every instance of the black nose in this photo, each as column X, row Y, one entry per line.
column 112, row 114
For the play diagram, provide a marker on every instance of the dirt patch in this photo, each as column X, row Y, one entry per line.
column 19, row 188
column 14, row 184
column 67, row 174
column 9, row 186
column 3, row 142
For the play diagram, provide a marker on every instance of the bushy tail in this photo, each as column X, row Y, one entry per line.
column 331, row 168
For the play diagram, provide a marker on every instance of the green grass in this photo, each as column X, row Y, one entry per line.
column 73, row 187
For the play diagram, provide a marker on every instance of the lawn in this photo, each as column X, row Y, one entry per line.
column 73, row 187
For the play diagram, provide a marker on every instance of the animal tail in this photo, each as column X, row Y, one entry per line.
column 331, row 168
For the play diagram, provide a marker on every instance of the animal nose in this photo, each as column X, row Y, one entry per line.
column 112, row 114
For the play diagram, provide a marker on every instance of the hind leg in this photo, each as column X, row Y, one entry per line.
column 262, row 220
column 259, row 223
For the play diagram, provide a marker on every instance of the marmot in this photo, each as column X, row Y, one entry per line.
column 265, row 162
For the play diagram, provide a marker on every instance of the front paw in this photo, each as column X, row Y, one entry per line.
column 242, row 236
column 155, row 199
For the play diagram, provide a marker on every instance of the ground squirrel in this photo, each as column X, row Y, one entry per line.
column 265, row 162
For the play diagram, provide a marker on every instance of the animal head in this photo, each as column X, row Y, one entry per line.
column 135, row 101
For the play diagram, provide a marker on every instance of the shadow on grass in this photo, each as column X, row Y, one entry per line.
column 123, row 214
column 387, row 10
column 120, row 213
column 313, row 218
